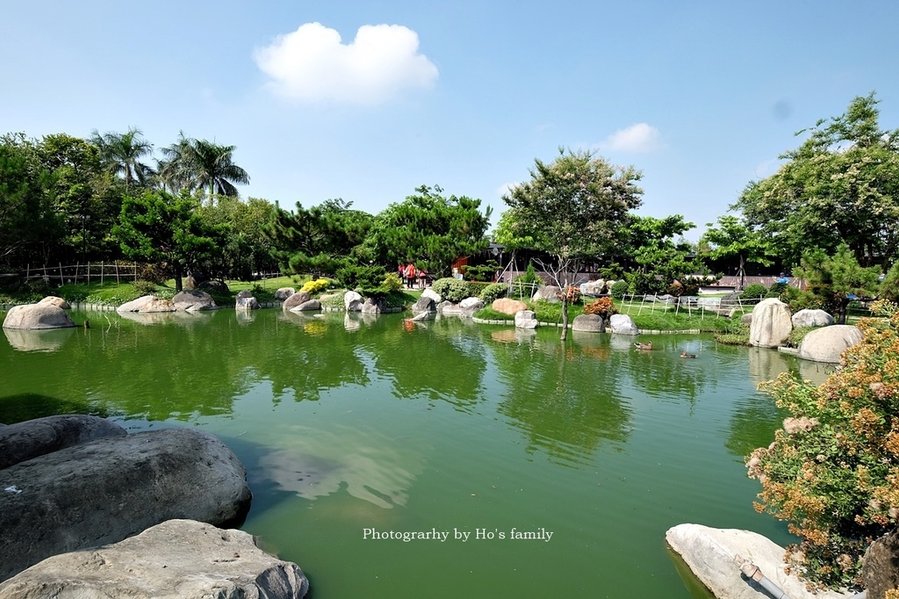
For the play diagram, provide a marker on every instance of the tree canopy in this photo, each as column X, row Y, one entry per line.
column 840, row 186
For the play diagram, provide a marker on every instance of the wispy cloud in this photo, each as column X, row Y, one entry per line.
column 312, row 64
column 638, row 138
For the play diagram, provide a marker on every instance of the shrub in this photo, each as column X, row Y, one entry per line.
column 833, row 469
column 602, row 307
column 391, row 283
column 317, row 285
column 484, row 273
column 777, row 289
column 571, row 294
column 800, row 300
column 889, row 287
column 493, row 292
column 145, row 287
column 451, row 289
column 367, row 278
column 754, row 291
column 619, row 289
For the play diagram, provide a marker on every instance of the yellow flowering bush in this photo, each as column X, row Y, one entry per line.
column 833, row 470
column 317, row 285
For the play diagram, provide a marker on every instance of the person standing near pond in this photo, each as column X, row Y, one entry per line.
column 410, row 275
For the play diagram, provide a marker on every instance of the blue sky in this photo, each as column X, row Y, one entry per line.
column 324, row 100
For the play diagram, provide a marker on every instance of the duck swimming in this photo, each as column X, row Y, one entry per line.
column 643, row 346
column 684, row 354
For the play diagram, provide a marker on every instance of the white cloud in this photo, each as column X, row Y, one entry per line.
column 505, row 188
column 312, row 64
column 640, row 137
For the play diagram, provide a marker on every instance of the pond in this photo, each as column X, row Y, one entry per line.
column 355, row 428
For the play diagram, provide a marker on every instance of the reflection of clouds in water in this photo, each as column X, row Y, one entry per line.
column 315, row 463
column 38, row 340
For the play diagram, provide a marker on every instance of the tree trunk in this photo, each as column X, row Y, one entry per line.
column 742, row 272
column 178, row 283
column 564, row 316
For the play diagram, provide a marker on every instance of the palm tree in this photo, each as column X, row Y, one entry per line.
column 121, row 154
column 215, row 170
column 200, row 164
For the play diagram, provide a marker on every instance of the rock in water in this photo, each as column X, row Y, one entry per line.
column 107, row 490
column 591, row 323
column 622, row 324
column 37, row 316
column 25, row 440
column 827, row 344
column 178, row 559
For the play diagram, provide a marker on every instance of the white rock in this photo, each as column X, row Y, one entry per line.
column 352, row 301
column 525, row 319
column 771, row 323
column 622, row 324
column 711, row 553
column 812, row 318
column 182, row 559
column 37, row 316
column 428, row 292
column 471, row 304
column 828, row 343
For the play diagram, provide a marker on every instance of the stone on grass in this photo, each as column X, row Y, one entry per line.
column 880, row 572
column 34, row 317
column 622, row 324
column 471, row 305
column 746, row 318
column 591, row 323
column 181, row 559
column 771, row 323
column 827, row 344
column 109, row 489
column 31, row 438
column 811, row 318
column 525, row 319
column 548, row 293
column 593, row 288
column 709, row 552
column 507, row 305
column 193, row 300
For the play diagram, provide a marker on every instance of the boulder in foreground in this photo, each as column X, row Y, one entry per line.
column 25, row 440
column 107, row 490
column 827, row 344
column 180, row 559
column 710, row 554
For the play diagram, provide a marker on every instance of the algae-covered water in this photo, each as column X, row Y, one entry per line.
column 438, row 460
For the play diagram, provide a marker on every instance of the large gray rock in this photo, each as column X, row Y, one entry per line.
column 430, row 293
column 470, row 305
column 25, row 440
column 591, row 323
column 771, row 323
column 107, row 490
column 525, row 319
column 448, row 308
column 710, row 554
column 37, row 316
column 812, row 318
column 548, row 293
column 880, row 572
column 622, row 324
column 147, row 304
column 424, row 305
column 245, row 301
column 370, row 306
column 509, row 306
column 178, row 559
column 307, row 306
column 282, row 293
column 193, row 300
column 135, row 305
column 295, row 300
column 352, row 301
column 746, row 318
column 828, row 343
column 56, row 301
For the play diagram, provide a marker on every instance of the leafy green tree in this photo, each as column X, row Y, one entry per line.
column 156, row 226
column 245, row 246
column 427, row 228
column 121, row 153
column 836, row 279
column 733, row 238
column 29, row 226
column 573, row 207
column 840, row 186
column 654, row 254
column 833, row 470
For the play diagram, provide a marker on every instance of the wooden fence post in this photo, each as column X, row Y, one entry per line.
column 61, row 282
column 117, row 272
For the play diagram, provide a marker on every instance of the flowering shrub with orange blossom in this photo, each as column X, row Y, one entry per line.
column 833, row 469
column 602, row 306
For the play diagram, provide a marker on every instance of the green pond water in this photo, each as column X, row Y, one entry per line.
column 347, row 424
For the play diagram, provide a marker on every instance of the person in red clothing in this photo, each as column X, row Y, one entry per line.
column 410, row 275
